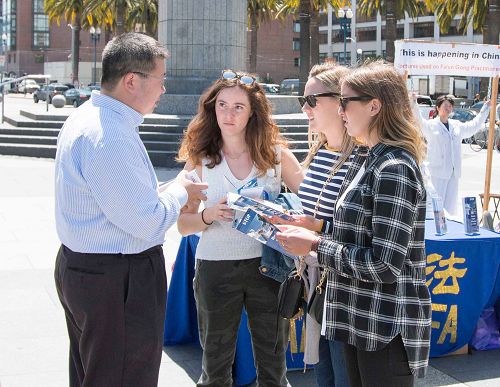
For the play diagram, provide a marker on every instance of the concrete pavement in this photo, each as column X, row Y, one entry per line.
column 33, row 341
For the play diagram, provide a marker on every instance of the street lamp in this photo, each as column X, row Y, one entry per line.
column 359, row 51
column 95, row 35
column 345, row 25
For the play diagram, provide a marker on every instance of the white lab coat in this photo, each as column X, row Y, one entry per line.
column 444, row 153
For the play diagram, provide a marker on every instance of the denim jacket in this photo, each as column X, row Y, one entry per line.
column 274, row 264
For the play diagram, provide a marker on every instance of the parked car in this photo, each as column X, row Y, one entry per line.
column 425, row 106
column 48, row 92
column 76, row 97
column 463, row 115
column 27, row 86
column 290, row 86
column 270, row 88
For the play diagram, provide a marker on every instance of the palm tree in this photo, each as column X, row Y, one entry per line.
column 393, row 10
column 308, row 13
column 111, row 12
column 71, row 11
column 483, row 14
column 145, row 13
column 258, row 12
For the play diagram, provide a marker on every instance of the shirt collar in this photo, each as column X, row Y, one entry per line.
column 130, row 115
column 375, row 152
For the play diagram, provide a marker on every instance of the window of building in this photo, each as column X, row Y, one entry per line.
column 339, row 57
column 453, row 30
column 296, row 62
column 296, row 45
column 423, row 30
column 366, row 34
column 361, row 18
column 400, row 32
column 322, row 57
column 41, row 34
column 323, row 37
column 296, row 26
column 369, row 55
column 9, row 11
column 323, row 19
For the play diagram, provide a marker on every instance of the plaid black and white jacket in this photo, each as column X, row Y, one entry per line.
column 377, row 257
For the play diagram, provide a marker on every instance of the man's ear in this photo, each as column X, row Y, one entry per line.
column 129, row 81
column 375, row 106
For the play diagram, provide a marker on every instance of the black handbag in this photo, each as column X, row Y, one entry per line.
column 316, row 304
column 290, row 295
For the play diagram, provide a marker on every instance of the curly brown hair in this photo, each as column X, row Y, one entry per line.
column 203, row 139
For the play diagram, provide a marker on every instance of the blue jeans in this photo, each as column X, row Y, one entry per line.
column 331, row 370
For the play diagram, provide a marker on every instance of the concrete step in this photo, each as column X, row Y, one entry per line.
column 28, row 123
column 32, row 140
column 47, row 132
column 30, row 150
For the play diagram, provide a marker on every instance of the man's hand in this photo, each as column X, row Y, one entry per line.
column 194, row 190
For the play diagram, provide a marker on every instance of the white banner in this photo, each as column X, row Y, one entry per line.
column 420, row 57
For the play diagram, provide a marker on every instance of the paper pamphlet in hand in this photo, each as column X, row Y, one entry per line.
column 257, row 227
column 243, row 203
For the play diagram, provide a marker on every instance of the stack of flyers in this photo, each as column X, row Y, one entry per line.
column 261, row 206
column 257, row 227
column 471, row 221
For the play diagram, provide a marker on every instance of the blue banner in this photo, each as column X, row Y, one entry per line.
column 462, row 273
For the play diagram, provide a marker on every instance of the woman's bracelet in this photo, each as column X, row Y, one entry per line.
column 203, row 219
column 315, row 244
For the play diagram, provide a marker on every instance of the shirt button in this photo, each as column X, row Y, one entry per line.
column 264, row 269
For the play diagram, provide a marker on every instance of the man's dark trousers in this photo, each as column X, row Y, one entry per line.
column 115, row 310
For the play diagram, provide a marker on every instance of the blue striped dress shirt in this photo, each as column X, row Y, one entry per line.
column 106, row 191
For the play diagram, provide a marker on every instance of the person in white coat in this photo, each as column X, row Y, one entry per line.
column 444, row 155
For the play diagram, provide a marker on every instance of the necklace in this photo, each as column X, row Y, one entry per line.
column 238, row 155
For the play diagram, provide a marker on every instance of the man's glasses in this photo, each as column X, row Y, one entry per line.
column 311, row 99
column 243, row 78
column 147, row 75
column 345, row 100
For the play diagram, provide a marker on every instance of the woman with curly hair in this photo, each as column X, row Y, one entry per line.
column 233, row 143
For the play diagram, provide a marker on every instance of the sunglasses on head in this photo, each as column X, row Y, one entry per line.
column 311, row 99
column 243, row 78
column 345, row 100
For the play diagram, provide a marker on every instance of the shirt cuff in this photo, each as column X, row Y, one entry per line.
column 177, row 191
column 330, row 253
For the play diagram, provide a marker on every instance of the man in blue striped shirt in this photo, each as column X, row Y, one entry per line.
column 111, row 218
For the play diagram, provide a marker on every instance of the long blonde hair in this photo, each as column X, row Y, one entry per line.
column 395, row 123
column 330, row 75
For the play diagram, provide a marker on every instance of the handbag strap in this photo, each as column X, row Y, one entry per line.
column 319, row 286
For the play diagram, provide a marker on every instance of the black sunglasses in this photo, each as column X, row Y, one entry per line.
column 243, row 78
column 311, row 99
column 344, row 100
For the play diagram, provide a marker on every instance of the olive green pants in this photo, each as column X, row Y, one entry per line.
column 222, row 289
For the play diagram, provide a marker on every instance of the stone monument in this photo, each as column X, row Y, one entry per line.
column 203, row 37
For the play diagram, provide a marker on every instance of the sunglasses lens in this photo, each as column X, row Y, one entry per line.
column 302, row 101
column 247, row 80
column 229, row 74
column 311, row 100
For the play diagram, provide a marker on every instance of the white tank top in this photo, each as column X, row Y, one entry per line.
column 220, row 241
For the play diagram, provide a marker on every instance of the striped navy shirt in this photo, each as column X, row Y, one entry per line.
column 310, row 189
column 106, row 191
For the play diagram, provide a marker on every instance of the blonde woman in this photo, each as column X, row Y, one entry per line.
column 332, row 161
column 378, row 305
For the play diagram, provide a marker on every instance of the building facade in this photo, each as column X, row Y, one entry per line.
column 278, row 49
column 35, row 46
